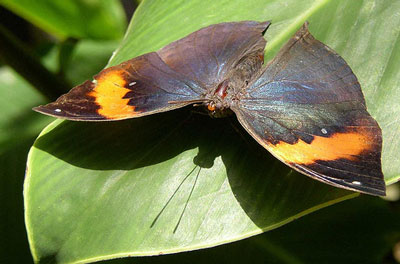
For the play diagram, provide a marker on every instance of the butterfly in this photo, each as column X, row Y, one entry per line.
column 305, row 106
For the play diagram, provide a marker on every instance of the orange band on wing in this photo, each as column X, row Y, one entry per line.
column 338, row 146
column 109, row 93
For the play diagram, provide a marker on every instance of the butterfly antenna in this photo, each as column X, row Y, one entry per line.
column 172, row 196
column 187, row 201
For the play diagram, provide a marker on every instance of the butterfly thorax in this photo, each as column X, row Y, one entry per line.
column 220, row 102
column 232, row 89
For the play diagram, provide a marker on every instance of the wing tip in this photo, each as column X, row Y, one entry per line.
column 265, row 25
column 55, row 110
column 303, row 30
column 380, row 192
column 373, row 191
column 376, row 187
column 43, row 109
column 49, row 110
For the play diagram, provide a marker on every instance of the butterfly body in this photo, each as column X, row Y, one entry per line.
column 305, row 106
column 229, row 92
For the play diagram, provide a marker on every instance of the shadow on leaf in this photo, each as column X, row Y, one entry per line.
column 253, row 174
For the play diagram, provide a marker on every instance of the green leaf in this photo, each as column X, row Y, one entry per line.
column 355, row 231
column 104, row 190
column 18, row 129
column 17, row 121
column 88, row 59
column 19, row 126
column 96, row 19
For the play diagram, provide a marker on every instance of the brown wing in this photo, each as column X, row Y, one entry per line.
column 308, row 110
column 141, row 86
column 209, row 54
column 180, row 72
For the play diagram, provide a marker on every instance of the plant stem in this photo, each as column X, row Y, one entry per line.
column 15, row 54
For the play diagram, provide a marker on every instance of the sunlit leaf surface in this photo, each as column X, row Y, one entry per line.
column 95, row 19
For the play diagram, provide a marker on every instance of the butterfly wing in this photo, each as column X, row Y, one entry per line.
column 180, row 73
column 208, row 55
column 137, row 87
column 308, row 110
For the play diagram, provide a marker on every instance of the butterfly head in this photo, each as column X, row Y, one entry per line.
column 219, row 101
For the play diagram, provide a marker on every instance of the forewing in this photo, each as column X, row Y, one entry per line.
column 177, row 75
column 209, row 54
column 308, row 110
column 141, row 86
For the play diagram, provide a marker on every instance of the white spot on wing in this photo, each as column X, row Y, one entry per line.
column 132, row 83
column 356, row 183
column 57, row 110
column 324, row 131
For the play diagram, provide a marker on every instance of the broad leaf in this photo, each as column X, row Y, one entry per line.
column 96, row 19
column 18, row 130
column 19, row 126
column 339, row 234
column 180, row 181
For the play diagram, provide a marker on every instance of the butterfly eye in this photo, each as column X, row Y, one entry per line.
column 211, row 107
column 247, row 82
